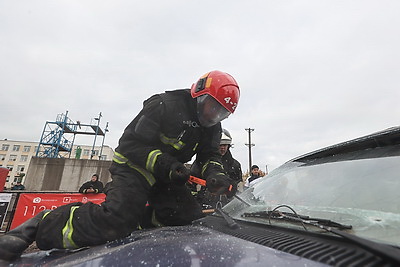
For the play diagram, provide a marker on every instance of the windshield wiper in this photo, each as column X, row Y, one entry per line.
column 383, row 250
column 229, row 220
column 292, row 217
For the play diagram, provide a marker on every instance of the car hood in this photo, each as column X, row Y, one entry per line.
column 169, row 246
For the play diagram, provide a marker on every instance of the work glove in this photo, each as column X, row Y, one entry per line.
column 221, row 184
column 163, row 170
column 178, row 173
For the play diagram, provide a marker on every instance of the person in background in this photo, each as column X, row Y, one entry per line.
column 256, row 173
column 231, row 166
column 147, row 171
column 18, row 186
column 93, row 186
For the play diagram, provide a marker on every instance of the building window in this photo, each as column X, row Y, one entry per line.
column 24, row 158
column 27, row 148
column 13, row 157
column 86, row 152
column 95, row 152
column 20, row 168
column 103, row 157
column 16, row 147
column 10, row 167
column 2, row 156
column 5, row 147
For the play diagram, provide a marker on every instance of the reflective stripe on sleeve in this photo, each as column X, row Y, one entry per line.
column 68, row 230
column 151, row 159
column 119, row 158
column 175, row 143
column 210, row 162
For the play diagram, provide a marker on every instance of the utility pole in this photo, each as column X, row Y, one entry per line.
column 97, row 131
column 104, row 137
column 249, row 145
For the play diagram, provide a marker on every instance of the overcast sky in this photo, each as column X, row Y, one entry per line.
column 311, row 73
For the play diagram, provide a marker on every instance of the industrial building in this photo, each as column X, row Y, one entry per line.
column 57, row 142
column 16, row 156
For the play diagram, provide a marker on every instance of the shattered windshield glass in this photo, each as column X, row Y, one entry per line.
column 358, row 189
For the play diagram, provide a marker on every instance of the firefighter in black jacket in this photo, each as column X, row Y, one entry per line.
column 231, row 166
column 147, row 168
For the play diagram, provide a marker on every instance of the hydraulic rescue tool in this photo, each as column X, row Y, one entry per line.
column 202, row 182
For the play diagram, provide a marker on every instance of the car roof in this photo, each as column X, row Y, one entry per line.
column 388, row 137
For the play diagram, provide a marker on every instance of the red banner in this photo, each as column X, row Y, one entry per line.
column 31, row 204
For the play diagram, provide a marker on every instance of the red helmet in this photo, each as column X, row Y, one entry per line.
column 217, row 96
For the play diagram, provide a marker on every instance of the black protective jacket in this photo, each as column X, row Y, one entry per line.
column 96, row 185
column 232, row 167
column 167, row 130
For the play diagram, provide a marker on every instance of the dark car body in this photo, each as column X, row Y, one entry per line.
column 170, row 246
column 336, row 206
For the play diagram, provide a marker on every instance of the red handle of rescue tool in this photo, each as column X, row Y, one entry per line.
column 196, row 180
column 201, row 182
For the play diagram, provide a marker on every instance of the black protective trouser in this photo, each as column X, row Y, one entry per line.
column 78, row 225
column 171, row 205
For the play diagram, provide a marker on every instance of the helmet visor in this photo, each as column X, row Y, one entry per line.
column 210, row 111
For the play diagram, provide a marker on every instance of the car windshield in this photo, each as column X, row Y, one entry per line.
column 359, row 188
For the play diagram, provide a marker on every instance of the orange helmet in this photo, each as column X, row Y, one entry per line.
column 217, row 96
